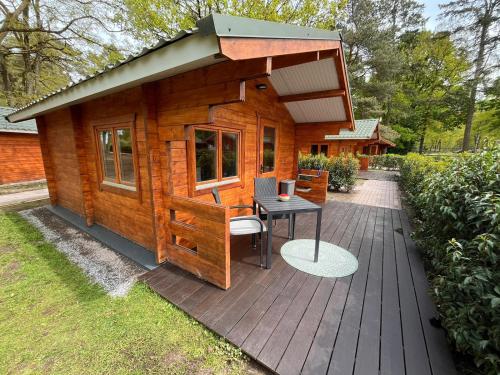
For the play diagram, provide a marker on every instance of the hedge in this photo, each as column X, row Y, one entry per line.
column 457, row 205
column 386, row 161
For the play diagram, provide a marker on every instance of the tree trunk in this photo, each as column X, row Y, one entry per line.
column 478, row 71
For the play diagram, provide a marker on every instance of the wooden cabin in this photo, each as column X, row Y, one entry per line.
column 138, row 147
column 364, row 139
column 20, row 154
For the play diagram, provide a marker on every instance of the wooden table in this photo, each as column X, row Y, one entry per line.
column 272, row 206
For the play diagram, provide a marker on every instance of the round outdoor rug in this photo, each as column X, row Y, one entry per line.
column 333, row 261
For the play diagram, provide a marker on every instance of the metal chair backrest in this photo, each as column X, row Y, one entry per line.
column 265, row 187
column 215, row 193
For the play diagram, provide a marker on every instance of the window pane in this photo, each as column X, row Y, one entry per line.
column 324, row 150
column 107, row 154
column 126, row 156
column 229, row 154
column 206, row 155
column 314, row 149
column 269, row 144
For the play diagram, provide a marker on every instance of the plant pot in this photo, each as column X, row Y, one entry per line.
column 363, row 164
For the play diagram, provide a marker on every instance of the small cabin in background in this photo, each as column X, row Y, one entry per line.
column 138, row 147
column 20, row 154
column 364, row 139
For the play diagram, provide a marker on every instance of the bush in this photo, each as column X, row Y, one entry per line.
column 342, row 169
column 413, row 169
column 386, row 161
column 458, row 229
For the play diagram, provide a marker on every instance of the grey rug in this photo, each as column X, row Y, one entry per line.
column 333, row 261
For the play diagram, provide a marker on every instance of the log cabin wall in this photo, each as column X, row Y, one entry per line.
column 129, row 216
column 65, row 185
column 307, row 135
column 20, row 158
column 185, row 101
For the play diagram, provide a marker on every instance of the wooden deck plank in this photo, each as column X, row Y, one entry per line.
column 391, row 339
column 296, row 352
column 318, row 359
column 297, row 323
column 415, row 350
column 440, row 357
column 367, row 354
column 344, row 351
column 274, row 348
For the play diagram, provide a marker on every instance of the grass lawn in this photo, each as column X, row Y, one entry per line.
column 52, row 320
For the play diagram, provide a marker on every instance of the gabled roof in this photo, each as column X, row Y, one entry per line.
column 188, row 50
column 28, row 126
column 364, row 130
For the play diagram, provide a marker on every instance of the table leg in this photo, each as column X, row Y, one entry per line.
column 269, row 240
column 318, row 234
column 293, row 226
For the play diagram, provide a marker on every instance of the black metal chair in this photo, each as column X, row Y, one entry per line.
column 267, row 187
column 243, row 225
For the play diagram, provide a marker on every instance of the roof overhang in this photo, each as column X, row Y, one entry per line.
column 191, row 52
column 217, row 38
column 18, row 131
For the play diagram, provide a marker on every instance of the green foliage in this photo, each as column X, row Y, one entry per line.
column 387, row 161
column 342, row 169
column 458, row 210
column 54, row 321
column 342, row 172
column 316, row 162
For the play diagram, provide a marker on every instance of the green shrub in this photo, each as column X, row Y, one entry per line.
column 458, row 230
column 343, row 171
column 386, row 161
column 413, row 169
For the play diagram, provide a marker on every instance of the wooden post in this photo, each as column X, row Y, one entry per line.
column 158, row 212
column 81, row 154
column 47, row 161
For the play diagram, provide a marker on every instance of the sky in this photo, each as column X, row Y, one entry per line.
column 431, row 11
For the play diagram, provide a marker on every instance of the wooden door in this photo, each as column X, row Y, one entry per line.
column 267, row 147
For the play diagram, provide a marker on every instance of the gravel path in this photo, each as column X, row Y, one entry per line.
column 114, row 272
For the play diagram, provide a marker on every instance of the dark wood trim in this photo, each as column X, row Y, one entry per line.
column 344, row 84
column 250, row 48
column 312, row 95
column 81, row 153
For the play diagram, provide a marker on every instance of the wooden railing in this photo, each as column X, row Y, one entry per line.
column 200, row 239
column 312, row 185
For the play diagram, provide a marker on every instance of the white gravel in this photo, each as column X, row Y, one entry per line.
column 114, row 272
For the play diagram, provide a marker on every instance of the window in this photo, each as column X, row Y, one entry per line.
column 116, row 153
column 268, row 146
column 217, row 157
column 319, row 149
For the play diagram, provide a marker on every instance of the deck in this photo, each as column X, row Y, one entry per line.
column 373, row 322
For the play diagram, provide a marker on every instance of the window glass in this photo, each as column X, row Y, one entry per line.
column 108, row 154
column 314, row 149
column 324, row 150
column 206, row 155
column 229, row 154
column 125, row 155
column 269, row 144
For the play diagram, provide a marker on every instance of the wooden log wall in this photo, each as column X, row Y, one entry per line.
column 20, row 158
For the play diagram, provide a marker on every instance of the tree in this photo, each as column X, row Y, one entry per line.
column 161, row 19
column 430, row 85
column 45, row 44
column 476, row 24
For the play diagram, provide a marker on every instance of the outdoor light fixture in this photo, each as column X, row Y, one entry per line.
column 261, row 86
